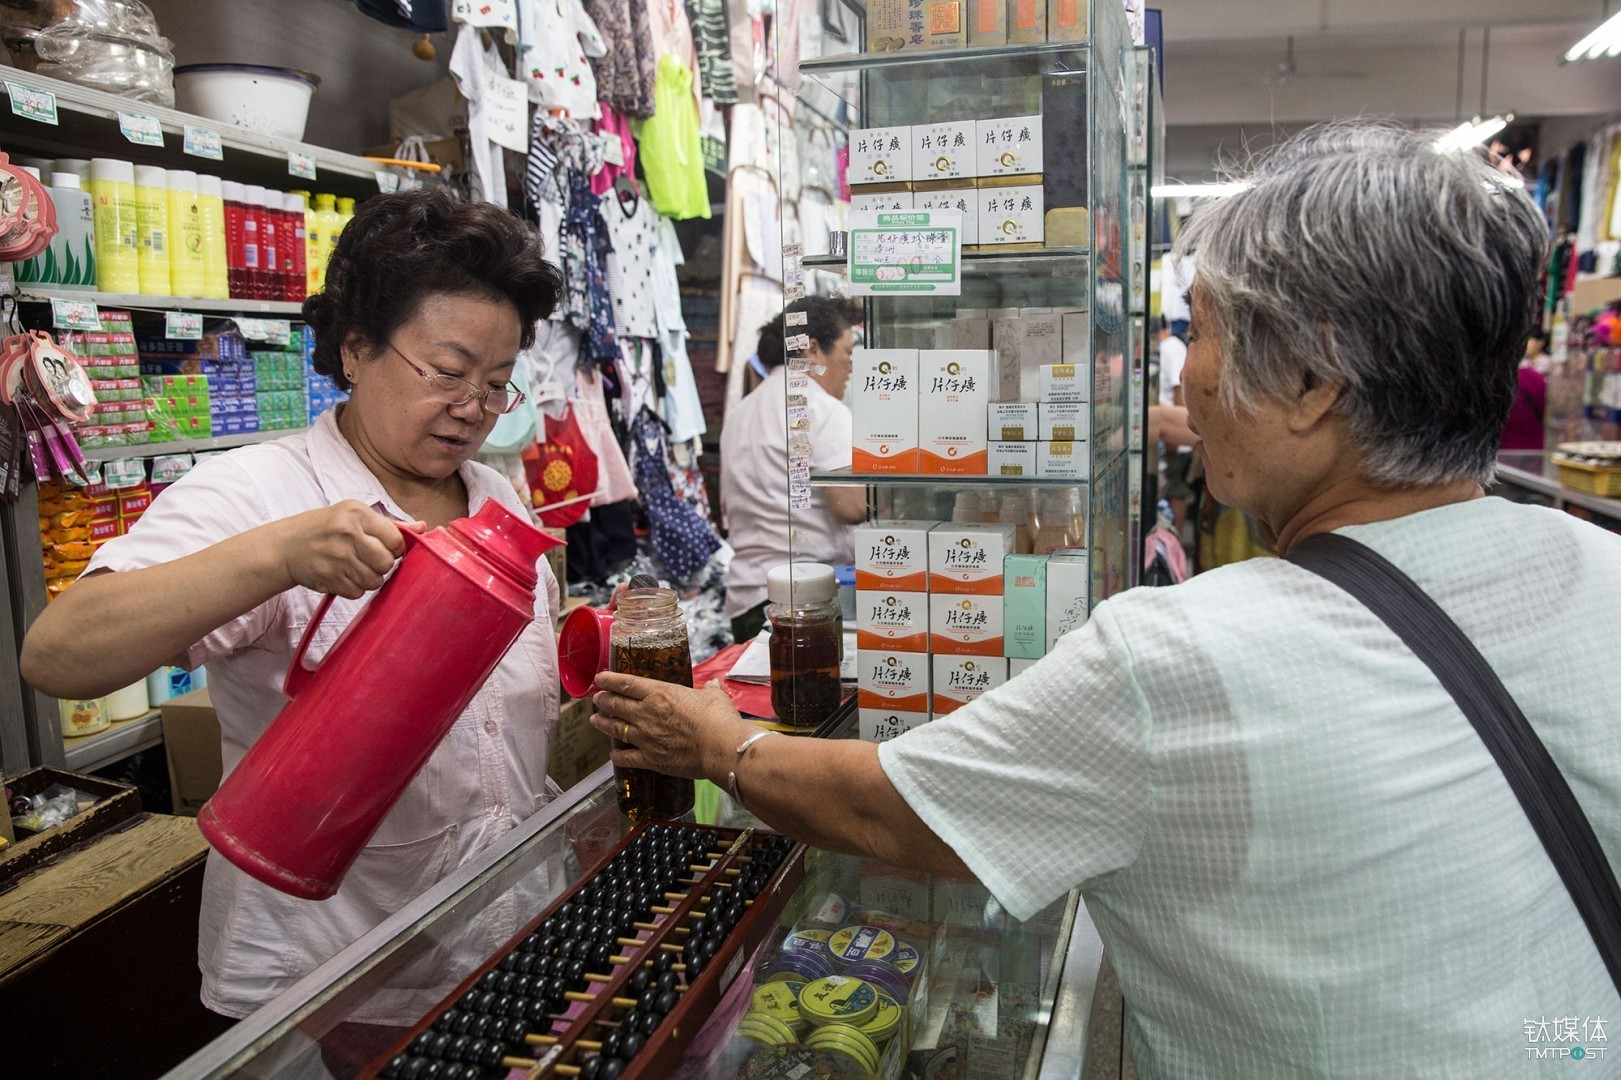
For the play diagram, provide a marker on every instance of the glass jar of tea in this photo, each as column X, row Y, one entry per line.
column 649, row 638
column 807, row 642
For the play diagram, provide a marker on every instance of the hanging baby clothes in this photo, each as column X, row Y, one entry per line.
column 586, row 234
column 561, row 161
column 632, row 230
column 556, row 38
column 682, row 539
column 672, row 156
column 473, row 62
column 683, row 410
column 625, row 75
column 611, row 128
column 708, row 21
column 672, row 33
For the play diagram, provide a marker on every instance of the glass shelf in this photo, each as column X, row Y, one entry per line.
column 1066, row 262
column 1042, row 59
column 846, row 478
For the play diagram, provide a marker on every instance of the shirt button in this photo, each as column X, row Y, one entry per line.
column 489, row 726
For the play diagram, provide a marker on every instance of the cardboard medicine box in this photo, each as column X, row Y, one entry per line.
column 1066, row 20
column 987, row 22
column 1064, row 382
column 1010, row 146
column 944, row 151
column 962, row 625
column 892, row 680
column 953, row 389
column 880, row 155
column 946, row 23
column 1064, row 421
column 1013, row 421
column 1027, row 22
column 1064, row 460
column 1069, row 580
column 1024, row 599
column 958, row 680
column 965, row 558
column 1011, row 215
column 881, row 725
column 885, row 418
column 1041, row 335
column 892, row 620
column 893, row 556
column 881, row 201
column 1011, row 459
column 896, row 26
column 963, row 198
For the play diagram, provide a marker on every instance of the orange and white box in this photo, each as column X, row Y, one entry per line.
column 892, row 692
column 884, row 436
column 965, row 625
column 892, row 620
column 958, row 680
column 965, row 558
column 893, row 556
column 954, row 393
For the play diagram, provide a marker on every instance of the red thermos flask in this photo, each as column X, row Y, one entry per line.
column 305, row 798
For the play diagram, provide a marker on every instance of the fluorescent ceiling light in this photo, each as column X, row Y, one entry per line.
column 1197, row 191
column 1473, row 133
column 1605, row 41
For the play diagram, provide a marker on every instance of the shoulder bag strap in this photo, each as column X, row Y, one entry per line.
column 1531, row 773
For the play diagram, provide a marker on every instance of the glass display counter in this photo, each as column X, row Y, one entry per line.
column 987, row 996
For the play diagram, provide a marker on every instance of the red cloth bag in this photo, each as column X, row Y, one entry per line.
column 561, row 470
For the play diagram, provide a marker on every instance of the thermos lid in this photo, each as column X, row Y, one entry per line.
column 801, row 584
column 582, row 649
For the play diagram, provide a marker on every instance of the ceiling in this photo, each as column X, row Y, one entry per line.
column 1230, row 88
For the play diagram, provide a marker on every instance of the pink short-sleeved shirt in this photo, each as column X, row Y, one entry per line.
column 488, row 774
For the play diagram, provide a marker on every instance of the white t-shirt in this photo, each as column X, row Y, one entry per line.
column 1302, row 858
column 1173, row 354
column 487, row 775
column 754, row 488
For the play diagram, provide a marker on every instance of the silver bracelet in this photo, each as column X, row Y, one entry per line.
column 742, row 748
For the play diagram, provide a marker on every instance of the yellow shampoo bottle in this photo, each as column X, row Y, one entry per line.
column 152, row 230
column 211, row 212
column 188, row 266
column 327, row 224
column 112, row 194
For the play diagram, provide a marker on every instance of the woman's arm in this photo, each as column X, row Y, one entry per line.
column 111, row 629
column 832, row 794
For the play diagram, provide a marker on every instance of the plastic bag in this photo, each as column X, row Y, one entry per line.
column 49, row 808
column 110, row 45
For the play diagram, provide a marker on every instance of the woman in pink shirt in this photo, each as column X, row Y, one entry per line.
column 427, row 304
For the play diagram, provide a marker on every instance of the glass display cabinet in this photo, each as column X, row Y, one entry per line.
column 1147, row 172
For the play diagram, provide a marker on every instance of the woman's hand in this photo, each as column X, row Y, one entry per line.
column 669, row 729
column 344, row 549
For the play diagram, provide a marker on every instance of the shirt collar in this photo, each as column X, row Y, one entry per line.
column 342, row 475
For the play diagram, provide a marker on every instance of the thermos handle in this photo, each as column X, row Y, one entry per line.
column 299, row 673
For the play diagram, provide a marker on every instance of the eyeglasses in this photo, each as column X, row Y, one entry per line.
column 449, row 390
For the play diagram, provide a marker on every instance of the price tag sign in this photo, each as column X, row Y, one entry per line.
column 906, row 252
column 613, row 151
column 388, row 183
column 75, row 315
column 140, row 129
column 183, row 325
column 275, row 331
column 123, row 473
column 798, row 343
column 793, row 251
column 506, row 111
column 200, row 142
column 31, row 104
column 796, row 318
column 300, row 165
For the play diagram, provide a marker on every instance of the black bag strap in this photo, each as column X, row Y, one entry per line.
column 1536, row 781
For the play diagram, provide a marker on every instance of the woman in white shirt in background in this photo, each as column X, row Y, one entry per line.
column 754, row 461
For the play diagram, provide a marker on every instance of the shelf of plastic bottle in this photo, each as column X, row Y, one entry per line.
column 846, row 478
column 87, row 753
column 1045, row 58
column 1048, row 262
column 143, row 302
column 88, row 127
column 186, row 446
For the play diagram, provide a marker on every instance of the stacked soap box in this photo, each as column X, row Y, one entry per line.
column 1039, row 422
column 195, row 388
column 110, row 359
column 916, row 25
column 892, row 627
column 990, row 170
column 279, row 379
column 321, row 393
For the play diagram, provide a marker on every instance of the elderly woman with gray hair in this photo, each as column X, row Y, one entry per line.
column 1302, row 856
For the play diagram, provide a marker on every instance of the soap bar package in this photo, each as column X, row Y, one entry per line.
column 946, row 23
column 1010, row 146
column 880, row 155
column 1028, row 22
column 944, row 151
column 1011, row 459
column 1041, row 343
column 962, row 197
column 987, row 22
column 1014, row 421
column 1025, row 606
column 1064, row 460
column 896, row 26
column 1064, row 382
column 1066, row 20
column 1065, row 421
column 879, row 201
column 1011, row 215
